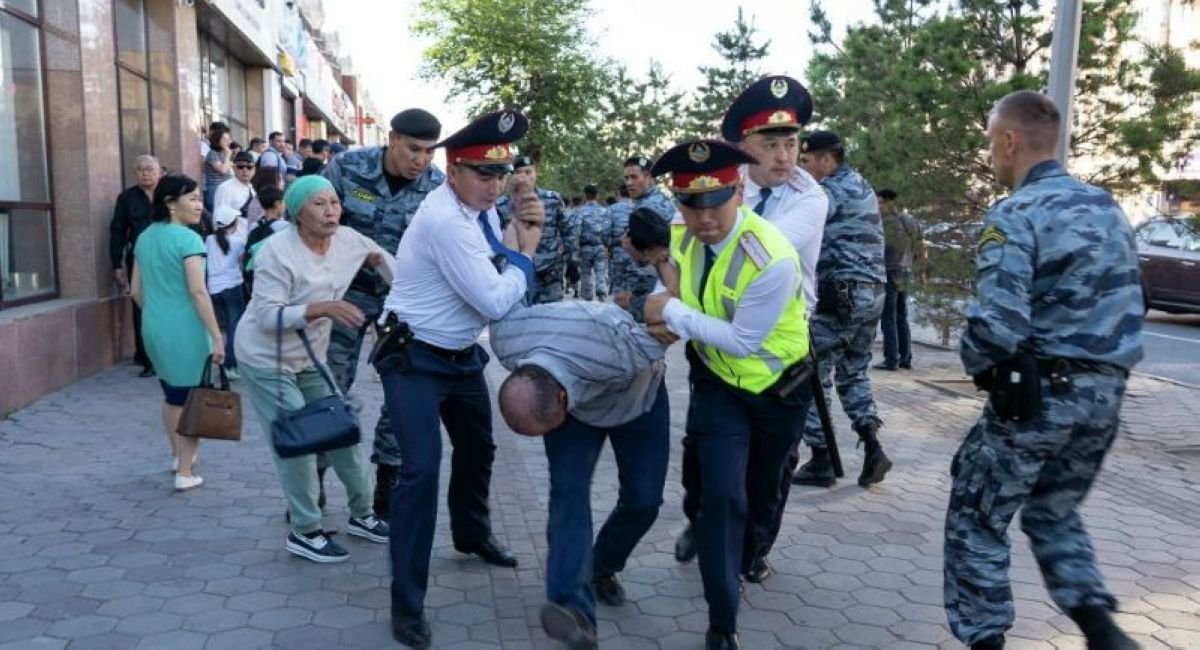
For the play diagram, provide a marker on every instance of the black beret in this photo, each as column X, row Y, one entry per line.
column 590, row 189
column 821, row 141
column 639, row 160
column 417, row 123
column 522, row 161
column 887, row 194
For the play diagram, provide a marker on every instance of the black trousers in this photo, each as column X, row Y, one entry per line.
column 139, row 348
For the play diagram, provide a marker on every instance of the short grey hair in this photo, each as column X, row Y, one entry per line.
column 145, row 158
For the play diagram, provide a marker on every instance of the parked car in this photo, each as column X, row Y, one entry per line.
column 1169, row 258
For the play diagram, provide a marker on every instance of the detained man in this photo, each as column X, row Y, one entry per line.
column 582, row 373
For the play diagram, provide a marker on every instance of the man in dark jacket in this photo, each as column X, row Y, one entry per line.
column 131, row 215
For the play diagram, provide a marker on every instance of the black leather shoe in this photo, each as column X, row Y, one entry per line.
column 609, row 590
column 875, row 466
column 568, row 626
column 413, row 633
column 817, row 472
column 885, row 366
column 146, row 373
column 714, row 640
column 759, row 571
column 492, row 552
column 685, row 546
column 990, row 643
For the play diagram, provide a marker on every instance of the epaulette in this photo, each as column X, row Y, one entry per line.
column 755, row 250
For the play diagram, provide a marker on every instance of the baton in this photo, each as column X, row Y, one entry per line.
column 835, row 457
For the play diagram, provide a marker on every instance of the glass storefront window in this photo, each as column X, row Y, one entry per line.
column 22, row 117
column 131, row 34
column 28, row 6
column 26, row 254
column 135, row 120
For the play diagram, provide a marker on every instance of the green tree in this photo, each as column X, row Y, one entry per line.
column 527, row 54
column 911, row 96
column 741, row 56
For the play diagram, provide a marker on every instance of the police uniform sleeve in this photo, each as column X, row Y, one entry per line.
column 333, row 174
column 758, row 311
column 999, row 320
column 467, row 266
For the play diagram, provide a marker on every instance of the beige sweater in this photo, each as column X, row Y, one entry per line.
column 290, row 275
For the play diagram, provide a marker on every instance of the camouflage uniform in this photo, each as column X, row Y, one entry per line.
column 1057, row 276
column 851, row 256
column 594, row 230
column 624, row 274
column 555, row 249
column 369, row 207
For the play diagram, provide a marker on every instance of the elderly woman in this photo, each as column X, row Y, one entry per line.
column 179, row 327
column 304, row 271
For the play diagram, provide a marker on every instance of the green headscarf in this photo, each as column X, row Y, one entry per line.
column 300, row 191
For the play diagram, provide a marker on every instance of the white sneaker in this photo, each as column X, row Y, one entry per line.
column 187, row 482
column 174, row 464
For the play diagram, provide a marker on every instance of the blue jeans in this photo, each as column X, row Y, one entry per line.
column 897, row 341
column 642, row 448
column 229, row 305
column 436, row 390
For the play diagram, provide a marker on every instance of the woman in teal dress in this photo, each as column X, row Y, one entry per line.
column 179, row 327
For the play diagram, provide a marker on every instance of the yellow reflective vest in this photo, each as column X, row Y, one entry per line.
column 755, row 246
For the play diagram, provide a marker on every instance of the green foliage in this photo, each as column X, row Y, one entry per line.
column 527, row 54
column 742, row 56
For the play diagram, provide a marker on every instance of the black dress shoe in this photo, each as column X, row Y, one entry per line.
column 413, row 633
column 759, row 571
column 990, row 643
column 568, row 626
column 885, row 366
column 714, row 640
column 609, row 590
column 490, row 551
column 685, row 546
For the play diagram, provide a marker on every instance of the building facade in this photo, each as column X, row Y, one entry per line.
column 89, row 85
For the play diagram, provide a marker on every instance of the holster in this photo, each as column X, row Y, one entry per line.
column 793, row 377
column 392, row 340
column 1014, row 387
column 835, row 299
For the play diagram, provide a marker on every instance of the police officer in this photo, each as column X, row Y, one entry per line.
column 850, row 293
column 763, row 122
column 741, row 307
column 594, row 228
column 448, row 285
column 630, row 282
column 1053, row 331
column 559, row 240
column 380, row 189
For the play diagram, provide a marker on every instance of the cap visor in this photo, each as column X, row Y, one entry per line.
column 493, row 170
column 701, row 200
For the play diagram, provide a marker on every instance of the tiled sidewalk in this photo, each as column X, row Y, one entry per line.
column 96, row 551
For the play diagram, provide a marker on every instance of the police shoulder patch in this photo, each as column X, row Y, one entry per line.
column 362, row 195
column 992, row 235
column 755, row 250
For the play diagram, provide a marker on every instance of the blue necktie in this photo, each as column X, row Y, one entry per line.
column 765, row 193
column 516, row 259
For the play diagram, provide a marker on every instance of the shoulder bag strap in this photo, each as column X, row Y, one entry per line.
column 320, row 366
column 279, row 359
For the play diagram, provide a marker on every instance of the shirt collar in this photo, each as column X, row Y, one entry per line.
column 1044, row 169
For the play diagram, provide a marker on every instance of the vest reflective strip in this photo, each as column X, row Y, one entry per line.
column 736, row 263
column 773, row 362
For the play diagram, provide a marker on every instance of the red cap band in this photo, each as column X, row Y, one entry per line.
column 774, row 118
column 694, row 182
column 481, row 154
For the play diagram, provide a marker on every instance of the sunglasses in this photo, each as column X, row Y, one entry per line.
column 244, row 166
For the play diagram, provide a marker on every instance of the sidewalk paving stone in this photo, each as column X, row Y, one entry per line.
column 97, row 550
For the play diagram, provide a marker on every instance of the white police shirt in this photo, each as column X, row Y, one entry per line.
column 445, row 285
column 798, row 209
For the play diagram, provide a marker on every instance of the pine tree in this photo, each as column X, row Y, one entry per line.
column 742, row 57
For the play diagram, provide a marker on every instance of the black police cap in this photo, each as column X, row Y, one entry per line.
column 704, row 173
column 417, row 123
column 771, row 104
column 821, row 141
column 486, row 143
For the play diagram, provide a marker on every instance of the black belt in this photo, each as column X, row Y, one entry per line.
column 455, row 356
column 1066, row 366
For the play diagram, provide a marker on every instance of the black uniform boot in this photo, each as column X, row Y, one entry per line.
column 875, row 463
column 385, row 477
column 1101, row 632
column 817, row 472
column 990, row 643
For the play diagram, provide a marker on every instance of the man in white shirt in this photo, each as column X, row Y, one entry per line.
column 237, row 192
column 453, row 275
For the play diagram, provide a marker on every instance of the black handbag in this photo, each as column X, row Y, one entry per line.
column 321, row 425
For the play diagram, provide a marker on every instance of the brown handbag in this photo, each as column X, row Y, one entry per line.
column 212, row 412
